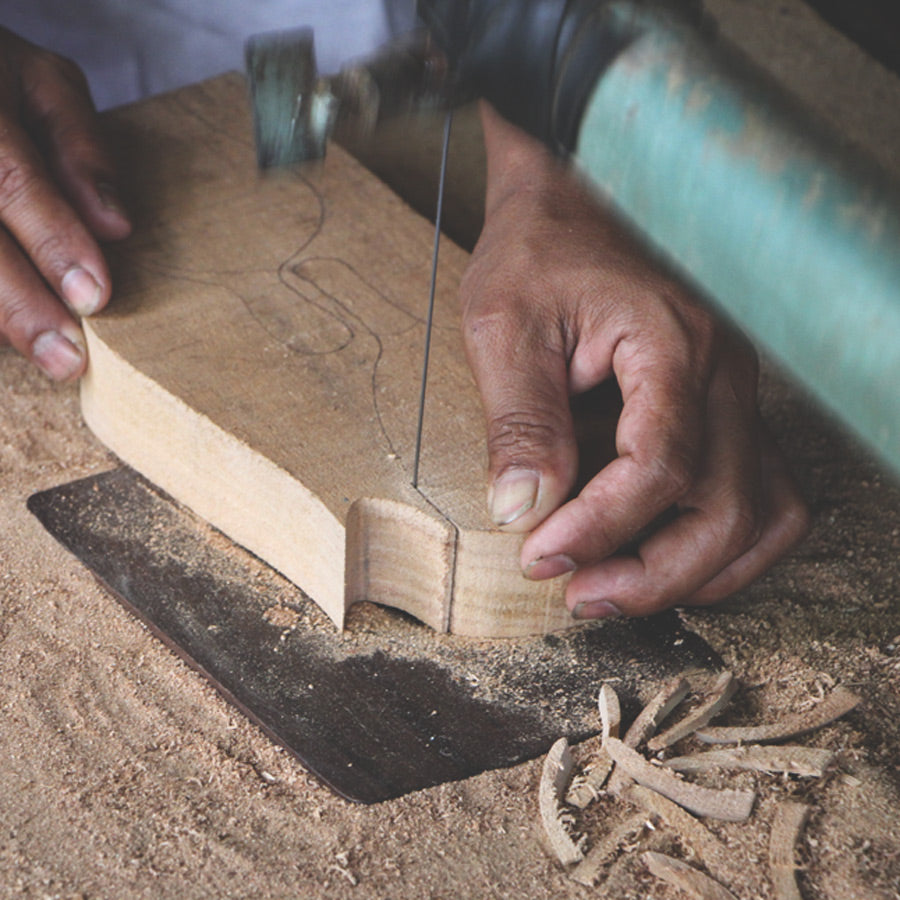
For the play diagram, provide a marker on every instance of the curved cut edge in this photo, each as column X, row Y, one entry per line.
column 493, row 599
column 402, row 557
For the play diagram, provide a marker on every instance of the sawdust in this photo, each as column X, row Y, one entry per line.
column 125, row 776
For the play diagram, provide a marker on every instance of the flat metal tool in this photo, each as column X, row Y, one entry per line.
column 382, row 709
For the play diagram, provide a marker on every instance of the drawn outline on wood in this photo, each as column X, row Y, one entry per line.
column 236, row 291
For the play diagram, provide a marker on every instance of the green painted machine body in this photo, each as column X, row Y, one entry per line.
column 795, row 241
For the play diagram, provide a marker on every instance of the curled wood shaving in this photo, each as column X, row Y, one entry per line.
column 648, row 720
column 720, row 695
column 610, row 711
column 693, row 832
column 554, row 781
column 655, row 712
column 606, row 850
column 790, row 759
column 733, row 806
column 837, row 704
column 586, row 787
column 680, row 875
column 789, row 822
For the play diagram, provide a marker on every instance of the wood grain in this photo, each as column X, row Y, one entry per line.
column 260, row 363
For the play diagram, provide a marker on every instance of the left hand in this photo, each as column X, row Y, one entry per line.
column 57, row 204
column 558, row 298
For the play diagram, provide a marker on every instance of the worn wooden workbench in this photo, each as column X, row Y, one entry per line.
column 125, row 776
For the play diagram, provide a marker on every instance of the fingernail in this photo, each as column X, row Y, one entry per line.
column 59, row 357
column 596, row 609
column 81, row 291
column 549, row 567
column 513, row 494
column 110, row 199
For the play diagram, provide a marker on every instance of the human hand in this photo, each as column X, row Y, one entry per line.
column 558, row 298
column 57, row 200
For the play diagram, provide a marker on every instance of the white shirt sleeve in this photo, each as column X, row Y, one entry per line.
column 131, row 49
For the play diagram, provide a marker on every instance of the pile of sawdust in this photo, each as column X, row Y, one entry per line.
column 125, row 776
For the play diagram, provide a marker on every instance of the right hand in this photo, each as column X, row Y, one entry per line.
column 57, row 200
column 558, row 298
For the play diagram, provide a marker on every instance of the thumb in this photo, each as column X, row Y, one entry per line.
column 531, row 445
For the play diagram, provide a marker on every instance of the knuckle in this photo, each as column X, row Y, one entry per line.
column 488, row 321
column 17, row 180
column 494, row 310
column 50, row 252
column 671, row 473
column 15, row 315
column 49, row 65
column 742, row 525
column 72, row 134
column 798, row 519
column 656, row 597
column 515, row 436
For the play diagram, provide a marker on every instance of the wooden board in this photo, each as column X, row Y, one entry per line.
column 260, row 362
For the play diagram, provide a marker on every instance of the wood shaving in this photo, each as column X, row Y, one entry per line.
column 586, row 787
column 656, row 711
column 733, row 806
column 680, row 875
column 610, row 711
column 606, row 850
column 557, row 822
column 672, row 802
column 789, row 822
column 791, row 759
column 837, row 704
column 718, row 698
column 693, row 832
column 648, row 720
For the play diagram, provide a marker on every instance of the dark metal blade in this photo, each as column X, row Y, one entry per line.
column 388, row 706
column 429, row 318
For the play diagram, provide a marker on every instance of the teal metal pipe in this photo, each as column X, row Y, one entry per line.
column 798, row 244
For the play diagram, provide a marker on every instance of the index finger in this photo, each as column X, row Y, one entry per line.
column 45, row 226
column 60, row 113
column 659, row 444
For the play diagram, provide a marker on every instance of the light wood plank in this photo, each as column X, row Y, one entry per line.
column 260, row 363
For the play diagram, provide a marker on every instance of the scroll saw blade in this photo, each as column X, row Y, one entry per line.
column 429, row 321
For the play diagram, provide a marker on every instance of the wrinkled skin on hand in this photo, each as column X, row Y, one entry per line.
column 57, row 201
column 557, row 299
